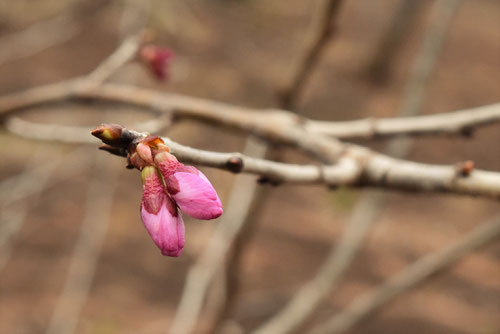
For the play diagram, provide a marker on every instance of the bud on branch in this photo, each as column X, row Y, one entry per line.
column 168, row 185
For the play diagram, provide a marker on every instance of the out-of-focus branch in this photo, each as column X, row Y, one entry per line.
column 379, row 170
column 410, row 277
column 402, row 21
column 122, row 55
column 306, row 300
column 46, row 34
column 248, row 119
column 458, row 122
column 23, row 182
column 326, row 27
column 38, row 175
column 37, row 37
column 95, row 224
column 12, row 214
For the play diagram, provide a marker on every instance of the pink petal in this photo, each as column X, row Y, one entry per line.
column 166, row 229
column 153, row 192
column 194, row 195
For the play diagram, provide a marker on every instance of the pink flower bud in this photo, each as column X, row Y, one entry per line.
column 144, row 152
column 111, row 134
column 160, row 215
column 190, row 188
column 166, row 163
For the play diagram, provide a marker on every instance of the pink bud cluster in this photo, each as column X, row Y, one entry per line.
column 168, row 186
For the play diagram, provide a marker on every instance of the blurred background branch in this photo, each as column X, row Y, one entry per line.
column 415, row 274
column 97, row 214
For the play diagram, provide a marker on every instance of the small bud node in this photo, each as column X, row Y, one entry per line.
column 234, row 164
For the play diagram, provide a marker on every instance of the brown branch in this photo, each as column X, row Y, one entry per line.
column 410, row 277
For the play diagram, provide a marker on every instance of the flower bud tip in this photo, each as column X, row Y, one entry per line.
column 147, row 172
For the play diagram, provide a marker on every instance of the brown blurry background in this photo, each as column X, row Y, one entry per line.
column 241, row 52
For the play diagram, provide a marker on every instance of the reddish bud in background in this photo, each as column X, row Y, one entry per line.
column 157, row 58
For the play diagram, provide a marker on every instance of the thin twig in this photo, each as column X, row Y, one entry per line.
column 410, row 277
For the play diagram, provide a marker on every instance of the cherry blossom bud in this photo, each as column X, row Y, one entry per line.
column 190, row 188
column 110, row 134
column 160, row 215
column 136, row 161
column 157, row 58
column 144, row 151
column 156, row 144
column 167, row 163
